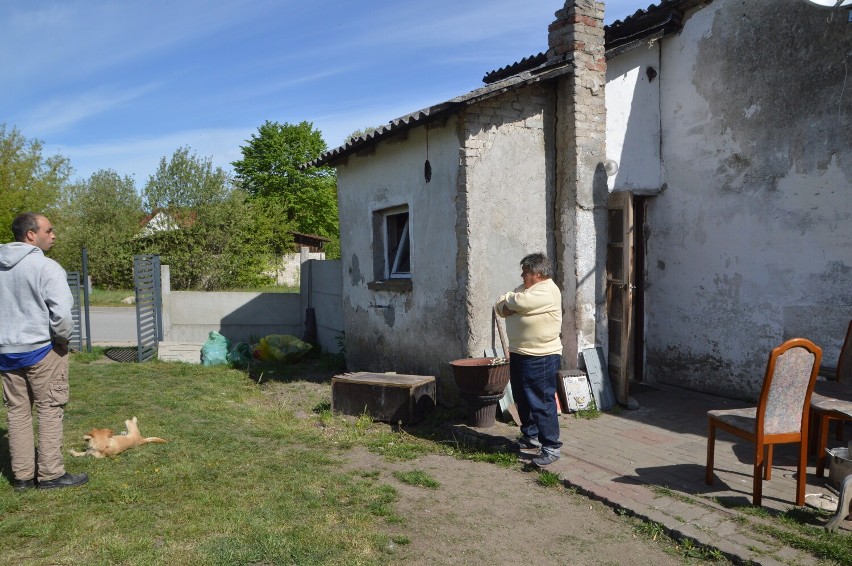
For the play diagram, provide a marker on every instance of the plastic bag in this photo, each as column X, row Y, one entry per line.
column 240, row 355
column 214, row 352
column 281, row 347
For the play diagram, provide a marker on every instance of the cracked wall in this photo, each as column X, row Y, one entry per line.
column 750, row 242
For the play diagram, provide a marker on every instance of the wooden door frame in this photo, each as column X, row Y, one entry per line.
column 620, row 290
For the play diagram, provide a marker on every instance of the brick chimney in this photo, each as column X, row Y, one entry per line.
column 577, row 35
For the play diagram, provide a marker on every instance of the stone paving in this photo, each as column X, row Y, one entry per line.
column 650, row 463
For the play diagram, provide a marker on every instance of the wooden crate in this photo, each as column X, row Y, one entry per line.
column 389, row 397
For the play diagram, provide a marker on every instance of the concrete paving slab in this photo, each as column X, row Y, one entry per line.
column 650, row 462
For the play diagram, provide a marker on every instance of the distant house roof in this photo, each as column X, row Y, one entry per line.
column 313, row 241
column 620, row 36
column 164, row 220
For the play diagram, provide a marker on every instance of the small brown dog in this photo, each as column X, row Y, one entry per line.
column 103, row 443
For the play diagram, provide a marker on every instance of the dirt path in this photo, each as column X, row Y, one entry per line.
column 483, row 514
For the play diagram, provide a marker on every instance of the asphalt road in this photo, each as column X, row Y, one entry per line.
column 111, row 325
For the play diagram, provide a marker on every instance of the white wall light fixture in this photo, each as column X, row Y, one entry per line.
column 831, row 3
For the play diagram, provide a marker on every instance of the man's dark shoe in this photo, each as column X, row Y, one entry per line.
column 21, row 485
column 527, row 443
column 545, row 459
column 68, row 480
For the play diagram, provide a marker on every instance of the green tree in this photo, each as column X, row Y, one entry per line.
column 223, row 239
column 29, row 182
column 103, row 214
column 271, row 170
column 186, row 181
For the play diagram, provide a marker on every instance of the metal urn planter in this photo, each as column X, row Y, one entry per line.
column 482, row 381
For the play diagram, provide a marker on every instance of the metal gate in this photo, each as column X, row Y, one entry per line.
column 149, row 309
column 76, row 341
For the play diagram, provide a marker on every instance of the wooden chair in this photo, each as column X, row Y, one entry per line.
column 843, row 372
column 823, row 407
column 781, row 416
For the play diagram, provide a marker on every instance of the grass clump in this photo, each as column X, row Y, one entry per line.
column 417, row 478
column 548, row 479
column 110, row 297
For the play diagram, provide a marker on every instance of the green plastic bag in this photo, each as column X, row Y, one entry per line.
column 214, row 352
column 240, row 355
column 282, row 348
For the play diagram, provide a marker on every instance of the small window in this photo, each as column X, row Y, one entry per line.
column 397, row 245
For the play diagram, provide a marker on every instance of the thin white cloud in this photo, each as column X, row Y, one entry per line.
column 52, row 40
column 220, row 65
column 266, row 88
column 139, row 157
column 63, row 112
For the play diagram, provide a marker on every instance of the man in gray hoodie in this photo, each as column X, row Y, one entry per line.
column 35, row 326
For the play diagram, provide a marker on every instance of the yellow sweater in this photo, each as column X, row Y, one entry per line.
column 534, row 329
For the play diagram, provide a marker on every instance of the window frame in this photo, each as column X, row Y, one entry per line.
column 400, row 247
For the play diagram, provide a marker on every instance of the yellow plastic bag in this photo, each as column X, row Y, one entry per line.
column 282, row 348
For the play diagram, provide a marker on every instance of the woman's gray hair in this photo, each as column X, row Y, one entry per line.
column 538, row 264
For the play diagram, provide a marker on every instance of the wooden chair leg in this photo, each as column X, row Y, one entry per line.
column 822, row 442
column 757, row 480
column 711, row 446
column 801, row 478
column 767, row 464
column 813, row 431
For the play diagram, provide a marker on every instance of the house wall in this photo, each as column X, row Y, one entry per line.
column 750, row 243
column 289, row 270
column 412, row 331
column 507, row 193
column 633, row 121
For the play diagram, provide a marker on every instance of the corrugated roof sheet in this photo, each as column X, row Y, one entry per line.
column 425, row 115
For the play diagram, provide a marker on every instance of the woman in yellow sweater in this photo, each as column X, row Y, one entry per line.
column 533, row 314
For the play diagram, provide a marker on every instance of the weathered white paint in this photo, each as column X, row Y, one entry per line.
column 288, row 271
column 412, row 331
column 468, row 234
column 633, row 120
column 750, row 243
column 745, row 143
column 508, row 190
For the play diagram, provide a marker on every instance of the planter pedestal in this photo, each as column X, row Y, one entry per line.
column 484, row 409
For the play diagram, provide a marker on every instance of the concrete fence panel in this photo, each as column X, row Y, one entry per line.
column 321, row 284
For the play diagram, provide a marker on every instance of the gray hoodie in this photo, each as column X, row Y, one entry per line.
column 35, row 301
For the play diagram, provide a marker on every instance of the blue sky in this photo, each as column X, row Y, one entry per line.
column 119, row 84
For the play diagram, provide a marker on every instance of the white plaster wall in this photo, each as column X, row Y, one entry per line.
column 288, row 272
column 633, row 120
column 414, row 331
column 750, row 243
column 509, row 195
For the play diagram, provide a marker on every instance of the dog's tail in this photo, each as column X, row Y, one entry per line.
column 156, row 439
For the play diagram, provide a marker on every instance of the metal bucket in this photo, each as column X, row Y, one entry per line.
column 839, row 466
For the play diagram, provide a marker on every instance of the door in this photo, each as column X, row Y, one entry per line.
column 620, row 286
